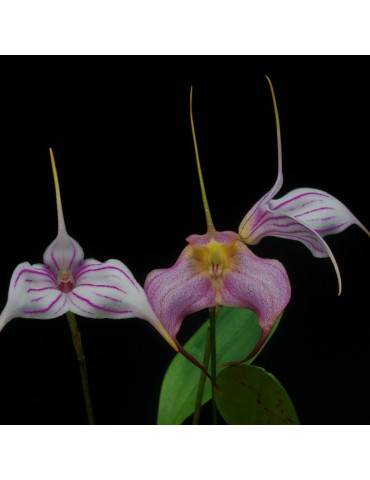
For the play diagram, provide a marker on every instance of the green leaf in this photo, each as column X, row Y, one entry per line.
column 237, row 332
column 248, row 395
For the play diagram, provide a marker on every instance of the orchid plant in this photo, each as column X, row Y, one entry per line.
column 216, row 271
column 218, row 268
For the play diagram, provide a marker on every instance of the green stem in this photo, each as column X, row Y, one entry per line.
column 212, row 334
column 209, row 354
column 76, row 338
column 202, row 378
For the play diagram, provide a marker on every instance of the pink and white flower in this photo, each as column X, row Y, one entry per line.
column 304, row 214
column 66, row 282
column 219, row 269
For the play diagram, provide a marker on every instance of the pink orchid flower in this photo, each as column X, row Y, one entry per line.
column 67, row 282
column 304, row 214
column 217, row 268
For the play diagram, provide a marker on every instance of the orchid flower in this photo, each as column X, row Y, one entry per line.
column 66, row 282
column 304, row 214
column 215, row 269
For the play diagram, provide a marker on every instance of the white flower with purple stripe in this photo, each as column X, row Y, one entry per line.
column 304, row 214
column 67, row 282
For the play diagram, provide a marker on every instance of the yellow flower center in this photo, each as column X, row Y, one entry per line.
column 214, row 258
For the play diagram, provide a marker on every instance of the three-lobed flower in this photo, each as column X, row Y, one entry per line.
column 218, row 268
column 68, row 282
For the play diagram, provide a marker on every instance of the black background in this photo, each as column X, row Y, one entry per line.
column 121, row 137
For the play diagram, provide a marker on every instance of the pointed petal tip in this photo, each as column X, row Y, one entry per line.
column 339, row 278
column 166, row 336
column 3, row 319
column 52, row 159
column 337, row 271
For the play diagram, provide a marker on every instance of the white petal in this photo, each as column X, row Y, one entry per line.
column 63, row 253
column 33, row 294
column 109, row 290
column 305, row 215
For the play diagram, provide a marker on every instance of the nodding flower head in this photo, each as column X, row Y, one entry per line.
column 304, row 214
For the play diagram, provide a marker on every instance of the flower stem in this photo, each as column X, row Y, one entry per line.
column 212, row 334
column 209, row 354
column 76, row 338
column 202, row 378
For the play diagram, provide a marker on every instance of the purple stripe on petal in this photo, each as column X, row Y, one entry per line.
column 46, row 309
column 276, row 231
column 299, row 196
column 37, row 299
column 108, row 297
column 101, row 286
column 73, row 257
column 55, row 262
column 269, row 219
column 283, row 226
column 112, row 275
column 34, row 272
column 307, row 240
column 261, row 221
column 294, row 234
column 314, row 210
column 63, row 305
column 98, row 307
column 39, row 289
column 44, row 301
column 85, row 266
column 92, row 314
column 329, row 229
column 318, row 219
column 79, row 274
column 290, row 211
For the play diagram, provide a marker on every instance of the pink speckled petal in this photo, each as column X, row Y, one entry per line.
column 33, row 294
column 255, row 283
column 179, row 291
column 261, row 285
